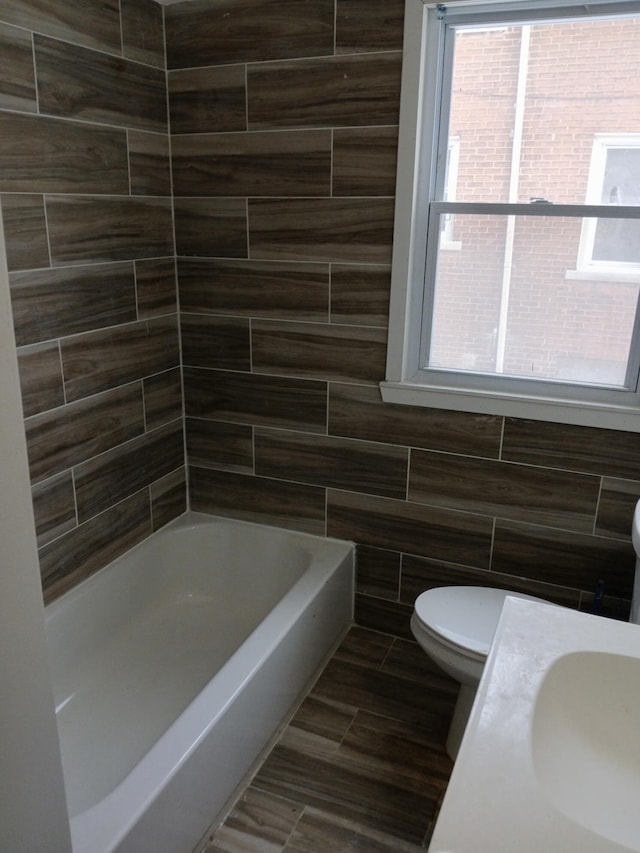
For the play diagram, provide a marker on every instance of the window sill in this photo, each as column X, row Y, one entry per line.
column 604, row 276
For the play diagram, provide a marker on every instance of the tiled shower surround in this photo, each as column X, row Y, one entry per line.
column 284, row 120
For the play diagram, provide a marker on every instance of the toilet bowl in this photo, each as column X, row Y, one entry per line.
column 455, row 625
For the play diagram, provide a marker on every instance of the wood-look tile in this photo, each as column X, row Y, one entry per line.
column 407, row 660
column 258, row 823
column 318, row 350
column 364, row 161
column 42, row 154
column 419, row 574
column 378, row 572
column 156, row 287
column 267, row 289
column 70, row 434
column 87, row 230
column 519, row 492
column 220, row 342
column 214, row 444
column 210, row 227
column 363, row 647
column 58, row 302
column 86, row 549
column 149, row 162
column 317, row 717
column 252, row 399
column 565, row 558
column 203, row 100
column 356, row 230
column 17, row 78
column 360, row 294
column 275, row 502
column 80, row 21
column 99, row 360
column 365, row 26
column 287, row 163
column 25, row 231
column 396, row 525
column 76, row 82
column 40, row 378
column 616, row 506
column 143, row 31
column 319, row 831
column 324, row 461
column 168, row 498
column 54, row 507
column 358, row 411
column 162, row 398
column 117, row 474
column 379, row 614
column 342, row 91
column 202, row 33
column 575, row 448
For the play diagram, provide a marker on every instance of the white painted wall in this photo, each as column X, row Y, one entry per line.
column 33, row 811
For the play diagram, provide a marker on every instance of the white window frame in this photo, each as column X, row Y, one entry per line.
column 405, row 382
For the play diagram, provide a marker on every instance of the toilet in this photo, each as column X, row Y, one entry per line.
column 455, row 625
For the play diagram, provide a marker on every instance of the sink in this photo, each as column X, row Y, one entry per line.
column 585, row 742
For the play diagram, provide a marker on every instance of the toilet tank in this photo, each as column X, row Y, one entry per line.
column 635, row 535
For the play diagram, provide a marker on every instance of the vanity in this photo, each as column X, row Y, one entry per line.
column 550, row 759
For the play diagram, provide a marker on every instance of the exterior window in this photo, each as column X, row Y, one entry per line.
column 536, row 314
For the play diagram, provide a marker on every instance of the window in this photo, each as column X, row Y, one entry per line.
column 536, row 314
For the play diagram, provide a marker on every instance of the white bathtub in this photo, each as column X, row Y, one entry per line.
column 173, row 667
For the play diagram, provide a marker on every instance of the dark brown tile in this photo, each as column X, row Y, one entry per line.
column 105, row 359
column 17, row 80
column 210, row 227
column 214, row 444
column 86, row 549
column 364, row 648
column 168, row 498
column 574, row 448
column 339, row 463
column 25, row 231
column 560, row 557
column 357, row 230
column 54, row 507
column 365, row 26
column 274, row 502
column 143, row 31
column 40, row 378
column 87, row 230
column 55, row 303
column 378, row 572
column 68, row 435
column 220, row 342
column 317, row 717
column 318, row 351
column 379, row 614
column 358, row 411
column 260, row 400
column 202, row 33
column 519, row 492
column 618, row 500
column 149, row 162
column 266, row 289
column 42, row 154
column 360, row 294
column 75, row 82
column 288, row 163
column 162, row 398
column 364, row 161
column 119, row 473
column 407, row 660
column 258, row 821
column 344, row 91
column 156, row 287
column 203, row 100
column 412, row 528
column 79, row 21
column 318, row 831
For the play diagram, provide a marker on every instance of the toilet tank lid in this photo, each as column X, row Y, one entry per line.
column 465, row 615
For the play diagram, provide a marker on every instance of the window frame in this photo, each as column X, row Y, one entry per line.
column 414, row 259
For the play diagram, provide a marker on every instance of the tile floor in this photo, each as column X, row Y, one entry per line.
column 361, row 767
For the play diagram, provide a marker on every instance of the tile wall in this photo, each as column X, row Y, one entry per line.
column 85, row 188
column 284, row 120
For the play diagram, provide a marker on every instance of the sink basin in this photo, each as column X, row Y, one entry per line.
column 585, row 742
